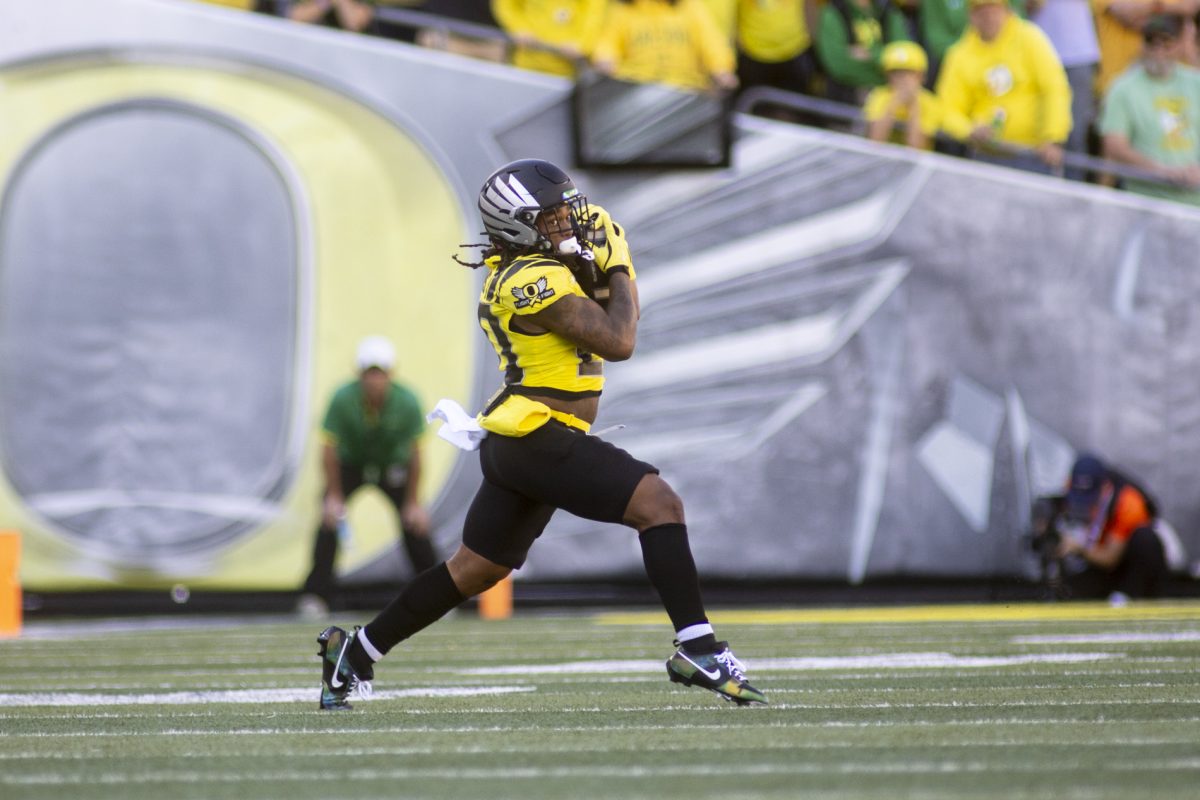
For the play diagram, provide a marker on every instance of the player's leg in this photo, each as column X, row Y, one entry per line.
column 656, row 512
column 594, row 479
column 500, row 526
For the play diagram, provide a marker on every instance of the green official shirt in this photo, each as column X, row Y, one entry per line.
column 373, row 441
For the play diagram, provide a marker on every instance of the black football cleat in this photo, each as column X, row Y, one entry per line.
column 719, row 672
column 338, row 678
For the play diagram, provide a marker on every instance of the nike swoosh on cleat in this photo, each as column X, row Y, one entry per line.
column 337, row 668
column 712, row 676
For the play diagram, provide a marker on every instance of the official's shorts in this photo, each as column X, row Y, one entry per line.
column 526, row 478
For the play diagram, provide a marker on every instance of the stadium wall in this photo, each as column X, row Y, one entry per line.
column 855, row 361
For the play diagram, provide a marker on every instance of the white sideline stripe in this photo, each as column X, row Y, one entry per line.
column 856, row 689
column 1109, row 638
column 250, row 696
column 885, row 660
column 1042, row 722
column 592, row 747
column 940, row 767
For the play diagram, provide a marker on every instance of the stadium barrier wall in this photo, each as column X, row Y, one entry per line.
column 855, row 361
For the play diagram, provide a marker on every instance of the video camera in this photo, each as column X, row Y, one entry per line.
column 1049, row 523
column 1045, row 519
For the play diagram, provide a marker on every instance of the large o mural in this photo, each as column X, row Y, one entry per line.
column 190, row 247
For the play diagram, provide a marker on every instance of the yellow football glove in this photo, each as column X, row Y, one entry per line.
column 609, row 248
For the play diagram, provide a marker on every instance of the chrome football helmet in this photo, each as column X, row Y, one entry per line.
column 514, row 196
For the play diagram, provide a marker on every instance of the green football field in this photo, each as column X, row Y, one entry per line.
column 1006, row 701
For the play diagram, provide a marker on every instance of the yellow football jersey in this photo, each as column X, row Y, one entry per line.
column 541, row 362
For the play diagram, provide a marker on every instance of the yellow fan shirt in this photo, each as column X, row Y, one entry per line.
column 1014, row 83
column 651, row 41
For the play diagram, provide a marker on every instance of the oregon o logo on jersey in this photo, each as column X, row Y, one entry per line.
column 532, row 294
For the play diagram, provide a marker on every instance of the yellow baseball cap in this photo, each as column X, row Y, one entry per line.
column 903, row 55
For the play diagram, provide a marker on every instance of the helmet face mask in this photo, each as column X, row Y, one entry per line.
column 564, row 226
column 521, row 205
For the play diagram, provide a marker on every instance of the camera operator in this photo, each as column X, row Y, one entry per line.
column 1102, row 535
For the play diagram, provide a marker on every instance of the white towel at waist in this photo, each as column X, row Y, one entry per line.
column 459, row 428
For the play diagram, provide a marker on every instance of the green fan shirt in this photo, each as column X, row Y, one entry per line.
column 833, row 42
column 1161, row 119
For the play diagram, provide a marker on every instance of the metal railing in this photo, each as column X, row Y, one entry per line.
column 757, row 96
column 417, row 20
column 750, row 99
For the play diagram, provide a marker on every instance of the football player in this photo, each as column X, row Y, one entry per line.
column 559, row 300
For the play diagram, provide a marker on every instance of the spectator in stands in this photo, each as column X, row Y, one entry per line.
column 941, row 23
column 1107, row 542
column 350, row 15
column 774, row 48
column 1151, row 116
column 1004, row 76
column 909, row 10
column 1070, row 27
column 848, row 43
column 551, row 35
column 674, row 42
column 724, row 15
column 443, row 37
column 1119, row 31
column 904, row 111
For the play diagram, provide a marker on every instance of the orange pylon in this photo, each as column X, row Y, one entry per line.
column 497, row 602
column 10, row 584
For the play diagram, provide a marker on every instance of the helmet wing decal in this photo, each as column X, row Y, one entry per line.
column 520, row 193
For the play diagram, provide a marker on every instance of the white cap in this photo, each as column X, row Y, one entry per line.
column 376, row 351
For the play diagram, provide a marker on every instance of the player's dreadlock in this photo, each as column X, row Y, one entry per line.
column 489, row 249
column 593, row 282
column 507, row 252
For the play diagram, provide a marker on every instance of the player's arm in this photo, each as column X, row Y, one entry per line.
column 609, row 332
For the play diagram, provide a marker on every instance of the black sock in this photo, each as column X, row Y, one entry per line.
column 360, row 659
column 671, row 569
column 425, row 600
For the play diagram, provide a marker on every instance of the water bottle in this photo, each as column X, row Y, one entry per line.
column 344, row 533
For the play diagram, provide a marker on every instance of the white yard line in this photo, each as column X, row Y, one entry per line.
column 626, row 771
column 246, row 696
column 1131, row 637
column 1045, row 722
column 591, row 746
column 881, row 660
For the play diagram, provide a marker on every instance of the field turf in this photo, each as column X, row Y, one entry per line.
column 1017, row 701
